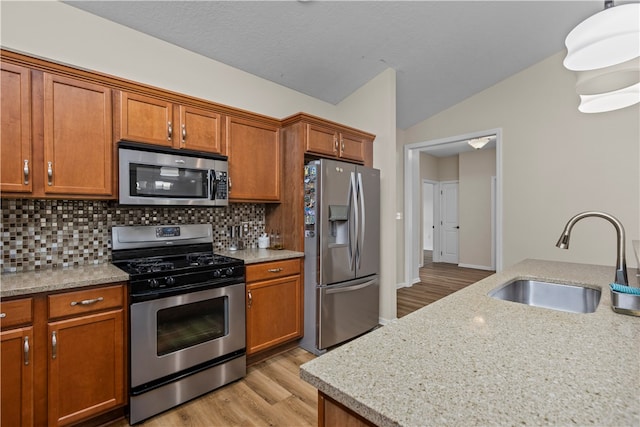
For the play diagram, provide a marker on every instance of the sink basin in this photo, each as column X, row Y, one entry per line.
column 556, row 296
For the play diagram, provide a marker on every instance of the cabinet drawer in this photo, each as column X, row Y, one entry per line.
column 16, row 312
column 86, row 301
column 272, row 270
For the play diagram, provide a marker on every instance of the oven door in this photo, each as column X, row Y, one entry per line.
column 171, row 334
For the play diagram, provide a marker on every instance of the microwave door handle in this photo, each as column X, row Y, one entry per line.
column 213, row 184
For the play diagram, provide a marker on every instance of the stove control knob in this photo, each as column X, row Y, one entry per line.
column 153, row 283
column 216, row 273
column 170, row 280
column 228, row 272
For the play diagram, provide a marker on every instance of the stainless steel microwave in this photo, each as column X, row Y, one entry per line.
column 150, row 175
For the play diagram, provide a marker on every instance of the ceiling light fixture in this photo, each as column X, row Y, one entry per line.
column 478, row 143
column 604, row 51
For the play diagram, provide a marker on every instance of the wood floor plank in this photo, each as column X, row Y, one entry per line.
column 437, row 280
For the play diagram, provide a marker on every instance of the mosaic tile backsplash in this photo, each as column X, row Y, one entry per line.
column 38, row 234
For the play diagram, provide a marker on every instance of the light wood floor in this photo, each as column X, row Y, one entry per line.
column 437, row 280
column 272, row 393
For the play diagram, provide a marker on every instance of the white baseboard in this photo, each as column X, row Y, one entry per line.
column 385, row 322
column 402, row 285
column 477, row 267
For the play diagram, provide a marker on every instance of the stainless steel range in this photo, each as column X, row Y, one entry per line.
column 186, row 314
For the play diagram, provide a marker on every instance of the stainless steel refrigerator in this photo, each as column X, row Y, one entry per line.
column 342, row 253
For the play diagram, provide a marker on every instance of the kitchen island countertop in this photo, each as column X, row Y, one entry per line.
column 469, row 359
column 57, row 279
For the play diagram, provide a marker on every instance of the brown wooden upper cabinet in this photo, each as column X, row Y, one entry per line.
column 15, row 130
column 255, row 160
column 78, row 146
column 56, row 135
column 150, row 120
column 330, row 142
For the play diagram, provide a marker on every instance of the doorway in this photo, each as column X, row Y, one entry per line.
column 413, row 189
column 429, row 215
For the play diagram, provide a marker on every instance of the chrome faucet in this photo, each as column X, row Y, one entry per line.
column 621, row 262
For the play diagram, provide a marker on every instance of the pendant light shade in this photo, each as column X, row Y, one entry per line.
column 610, row 101
column 607, row 38
column 604, row 51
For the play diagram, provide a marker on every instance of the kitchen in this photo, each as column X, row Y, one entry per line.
column 535, row 131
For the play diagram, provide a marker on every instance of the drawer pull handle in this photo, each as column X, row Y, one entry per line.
column 26, row 350
column 184, row 133
column 54, row 345
column 250, row 297
column 169, row 131
column 3, row 315
column 275, row 270
column 50, row 173
column 25, row 170
column 87, row 301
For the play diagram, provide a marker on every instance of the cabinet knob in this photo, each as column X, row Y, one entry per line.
column 26, row 172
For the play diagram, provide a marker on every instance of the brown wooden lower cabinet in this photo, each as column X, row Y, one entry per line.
column 17, row 377
column 274, row 304
column 334, row 414
column 64, row 360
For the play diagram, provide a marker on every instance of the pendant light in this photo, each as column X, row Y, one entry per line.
column 604, row 51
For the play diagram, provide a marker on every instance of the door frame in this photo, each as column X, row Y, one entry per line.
column 412, row 188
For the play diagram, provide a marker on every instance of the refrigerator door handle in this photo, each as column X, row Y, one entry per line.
column 340, row 289
column 353, row 209
column 361, row 231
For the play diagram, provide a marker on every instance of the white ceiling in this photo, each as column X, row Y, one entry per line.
column 442, row 51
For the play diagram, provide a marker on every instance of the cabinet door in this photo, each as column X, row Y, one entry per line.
column 274, row 313
column 17, row 377
column 86, row 366
column 351, row 147
column 78, row 146
column 200, row 130
column 321, row 140
column 254, row 160
column 145, row 119
column 15, row 129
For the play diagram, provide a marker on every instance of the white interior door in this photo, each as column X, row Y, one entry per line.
column 449, row 226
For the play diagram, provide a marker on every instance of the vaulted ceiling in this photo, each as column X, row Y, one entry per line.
column 442, row 51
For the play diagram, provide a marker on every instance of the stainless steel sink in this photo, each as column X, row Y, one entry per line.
column 556, row 296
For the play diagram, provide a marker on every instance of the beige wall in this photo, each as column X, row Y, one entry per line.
column 448, row 168
column 59, row 32
column 429, row 167
column 556, row 163
column 474, row 210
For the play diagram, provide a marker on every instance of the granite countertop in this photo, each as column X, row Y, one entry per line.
column 33, row 282
column 469, row 359
column 253, row 256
